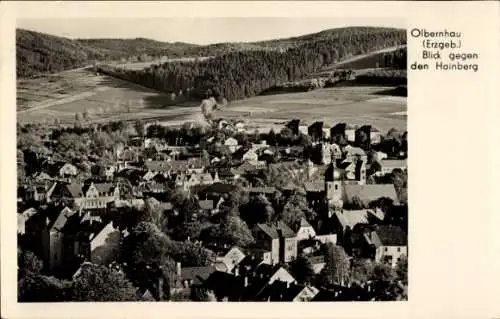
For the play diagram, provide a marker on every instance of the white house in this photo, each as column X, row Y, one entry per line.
column 305, row 230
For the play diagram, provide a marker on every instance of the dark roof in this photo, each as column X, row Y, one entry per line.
column 197, row 274
column 220, row 188
column 370, row 192
column 263, row 190
column 391, row 235
column 224, row 284
column 273, row 230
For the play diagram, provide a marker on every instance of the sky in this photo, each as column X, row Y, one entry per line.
column 197, row 30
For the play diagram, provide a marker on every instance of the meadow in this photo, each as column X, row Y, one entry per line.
column 57, row 100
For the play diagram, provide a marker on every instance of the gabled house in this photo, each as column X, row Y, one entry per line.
column 70, row 194
column 250, row 156
column 103, row 243
column 277, row 238
column 390, row 242
column 67, row 170
column 98, row 195
column 232, row 258
column 305, row 230
column 60, row 249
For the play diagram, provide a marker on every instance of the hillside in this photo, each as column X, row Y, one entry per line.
column 248, row 73
column 39, row 53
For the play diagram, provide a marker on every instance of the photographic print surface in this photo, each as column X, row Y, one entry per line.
column 212, row 159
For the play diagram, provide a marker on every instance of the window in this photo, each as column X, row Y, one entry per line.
column 386, row 249
column 336, row 186
column 399, row 249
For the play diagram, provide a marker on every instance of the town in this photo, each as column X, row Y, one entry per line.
column 136, row 211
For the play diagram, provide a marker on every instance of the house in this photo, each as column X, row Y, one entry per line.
column 232, row 144
column 59, row 249
column 71, row 194
column 368, row 192
column 318, row 263
column 98, row 195
column 42, row 177
column 207, row 205
column 66, row 170
column 232, row 258
column 277, row 238
column 390, row 243
column 104, row 244
column 375, row 135
column 39, row 192
column 305, row 230
column 23, row 218
column 188, row 277
column 250, row 156
column 348, row 219
column 156, row 167
column 389, row 165
column 350, row 133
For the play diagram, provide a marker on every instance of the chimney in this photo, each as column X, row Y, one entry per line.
column 245, row 281
column 178, row 268
column 236, row 271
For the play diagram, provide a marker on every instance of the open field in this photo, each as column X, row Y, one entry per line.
column 353, row 105
column 108, row 99
column 361, row 64
column 61, row 96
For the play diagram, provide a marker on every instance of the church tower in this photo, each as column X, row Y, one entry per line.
column 333, row 184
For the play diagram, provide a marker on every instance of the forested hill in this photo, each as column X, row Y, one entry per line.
column 39, row 53
column 243, row 74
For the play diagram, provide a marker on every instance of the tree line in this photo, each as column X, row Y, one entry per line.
column 238, row 75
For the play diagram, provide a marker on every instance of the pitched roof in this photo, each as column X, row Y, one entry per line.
column 75, row 190
column 304, row 223
column 370, row 192
column 351, row 218
column 389, row 235
column 104, row 187
column 197, row 274
column 62, row 219
column 273, row 230
column 220, row 188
